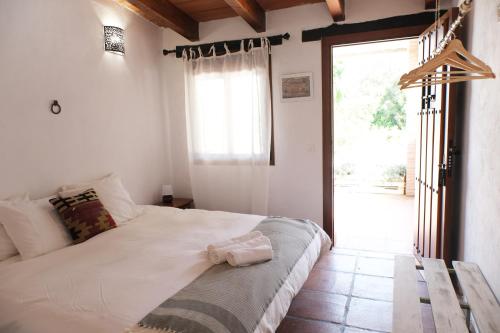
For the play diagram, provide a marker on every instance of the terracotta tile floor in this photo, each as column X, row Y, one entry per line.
column 348, row 291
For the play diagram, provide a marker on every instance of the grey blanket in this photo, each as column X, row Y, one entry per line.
column 226, row 299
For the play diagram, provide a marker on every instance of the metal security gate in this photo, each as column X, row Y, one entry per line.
column 436, row 151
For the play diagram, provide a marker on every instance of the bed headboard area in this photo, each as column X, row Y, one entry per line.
column 111, row 119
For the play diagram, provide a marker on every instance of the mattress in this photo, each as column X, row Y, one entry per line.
column 110, row 282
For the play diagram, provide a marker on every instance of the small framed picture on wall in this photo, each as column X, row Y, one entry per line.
column 296, row 87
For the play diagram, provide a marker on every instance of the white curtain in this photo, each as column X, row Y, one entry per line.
column 228, row 106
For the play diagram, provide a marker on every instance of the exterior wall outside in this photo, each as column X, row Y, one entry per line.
column 413, row 103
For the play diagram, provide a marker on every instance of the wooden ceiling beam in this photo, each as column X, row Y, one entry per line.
column 430, row 4
column 337, row 9
column 250, row 11
column 165, row 14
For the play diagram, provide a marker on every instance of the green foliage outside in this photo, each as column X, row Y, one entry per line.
column 338, row 69
column 369, row 118
column 394, row 173
column 391, row 111
column 345, row 169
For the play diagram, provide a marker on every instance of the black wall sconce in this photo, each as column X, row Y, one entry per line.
column 113, row 40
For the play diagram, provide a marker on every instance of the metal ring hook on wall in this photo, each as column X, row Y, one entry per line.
column 55, row 108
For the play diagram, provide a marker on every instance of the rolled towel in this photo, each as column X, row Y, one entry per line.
column 244, row 238
column 219, row 254
column 246, row 257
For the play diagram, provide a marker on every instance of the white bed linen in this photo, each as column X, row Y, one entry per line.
column 278, row 308
column 10, row 260
column 113, row 280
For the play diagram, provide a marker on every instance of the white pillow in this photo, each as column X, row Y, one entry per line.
column 112, row 194
column 7, row 248
column 34, row 227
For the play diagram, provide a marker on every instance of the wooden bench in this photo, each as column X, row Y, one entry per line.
column 450, row 316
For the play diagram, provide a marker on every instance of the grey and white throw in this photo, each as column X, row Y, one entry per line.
column 225, row 299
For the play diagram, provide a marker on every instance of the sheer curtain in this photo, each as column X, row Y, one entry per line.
column 228, row 106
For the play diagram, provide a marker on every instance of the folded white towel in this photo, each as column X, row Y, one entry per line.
column 245, row 257
column 219, row 255
column 244, row 238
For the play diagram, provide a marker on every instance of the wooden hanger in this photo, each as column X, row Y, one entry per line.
column 453, row 64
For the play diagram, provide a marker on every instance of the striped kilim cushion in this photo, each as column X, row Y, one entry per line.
column 83, row 215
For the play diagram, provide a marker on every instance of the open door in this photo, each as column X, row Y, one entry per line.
column 394, row 28
column 435, row 154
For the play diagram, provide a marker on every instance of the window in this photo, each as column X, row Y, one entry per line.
column 230, row 115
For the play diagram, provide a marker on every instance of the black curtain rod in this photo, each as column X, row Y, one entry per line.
column 232, row 45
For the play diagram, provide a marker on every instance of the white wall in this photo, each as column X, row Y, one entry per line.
column 112, row 117
column 296, row 180
column 480, row 199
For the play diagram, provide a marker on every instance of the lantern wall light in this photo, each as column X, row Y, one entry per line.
column 113, row 40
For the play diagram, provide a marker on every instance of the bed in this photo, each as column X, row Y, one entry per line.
column 108, row 283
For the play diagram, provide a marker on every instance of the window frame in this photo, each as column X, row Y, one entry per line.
column 272, row 158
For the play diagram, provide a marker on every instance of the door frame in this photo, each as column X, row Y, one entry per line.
column 327, row 43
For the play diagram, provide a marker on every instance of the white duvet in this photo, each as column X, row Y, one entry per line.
column 110, row 282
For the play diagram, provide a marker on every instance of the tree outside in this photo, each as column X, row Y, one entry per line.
column 369, row 117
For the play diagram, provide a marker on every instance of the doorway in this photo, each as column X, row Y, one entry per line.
column 374, row 144
column 435, row 234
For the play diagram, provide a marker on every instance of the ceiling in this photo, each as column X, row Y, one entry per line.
column 207, row 10
column 183, row 16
